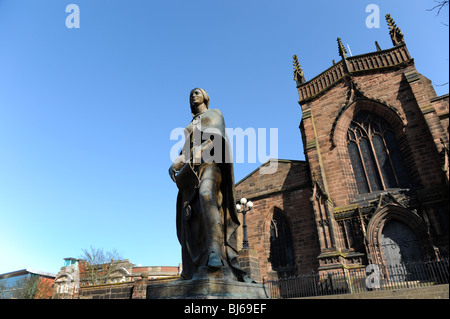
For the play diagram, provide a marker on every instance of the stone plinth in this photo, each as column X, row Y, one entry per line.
column 207, row 289
column 140, row 288
column 248, row 261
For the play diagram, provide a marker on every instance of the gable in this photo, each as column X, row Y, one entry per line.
column 290, row 174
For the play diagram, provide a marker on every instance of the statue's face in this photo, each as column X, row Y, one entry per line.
column 197, row 97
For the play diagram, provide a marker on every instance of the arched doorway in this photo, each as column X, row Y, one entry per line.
column 399, row 244
column 401, row 250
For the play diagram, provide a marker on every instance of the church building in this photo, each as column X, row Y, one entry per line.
column 374, row 185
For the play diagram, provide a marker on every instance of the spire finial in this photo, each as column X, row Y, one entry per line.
column 394, row 31
column 298, row 71
column 342, row 51
column 377, row 46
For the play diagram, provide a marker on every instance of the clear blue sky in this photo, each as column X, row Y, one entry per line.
column 86, row 114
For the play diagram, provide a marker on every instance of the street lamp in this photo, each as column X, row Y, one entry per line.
column 243, row 208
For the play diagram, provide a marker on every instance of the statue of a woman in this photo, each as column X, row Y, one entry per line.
column 206, row 212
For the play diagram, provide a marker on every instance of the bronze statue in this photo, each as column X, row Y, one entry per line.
column 206, row 206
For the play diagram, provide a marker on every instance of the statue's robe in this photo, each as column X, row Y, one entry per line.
column 197, row 226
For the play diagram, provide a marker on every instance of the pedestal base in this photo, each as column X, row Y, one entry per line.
column 248, row 261
column 207, row 289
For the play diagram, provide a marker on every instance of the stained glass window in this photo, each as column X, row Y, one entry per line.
column 281, row 249
column 375, row 155
column 384, row 161
column 358, row 168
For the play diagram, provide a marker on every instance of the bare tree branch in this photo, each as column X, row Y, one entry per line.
column 97, row 266
column 24, row 288
column 440, row 4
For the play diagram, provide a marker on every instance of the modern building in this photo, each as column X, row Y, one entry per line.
column 26, row 284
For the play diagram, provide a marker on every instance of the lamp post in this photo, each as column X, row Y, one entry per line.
column 243, row 208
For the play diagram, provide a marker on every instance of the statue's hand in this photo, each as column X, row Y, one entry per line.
column 172, row 173
column 176, row 166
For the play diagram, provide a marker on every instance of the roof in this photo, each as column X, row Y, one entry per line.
column 272, row 159
column 25, row 271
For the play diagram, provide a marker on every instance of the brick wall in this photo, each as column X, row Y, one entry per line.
column 121, row 290
column 402, row 97
column 136, row 289
column 385, row 83
column 389, row 95
column 288, row 190
column 440, row 104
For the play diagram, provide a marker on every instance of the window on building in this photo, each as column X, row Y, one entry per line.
column 281, row 250
column 375, row 155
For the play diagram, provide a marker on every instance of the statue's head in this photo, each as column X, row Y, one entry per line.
column 197, row 97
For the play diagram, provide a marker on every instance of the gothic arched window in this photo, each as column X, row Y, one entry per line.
column 375, row 155
column 281, row 250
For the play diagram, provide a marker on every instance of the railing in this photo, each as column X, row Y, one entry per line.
column 370, row 278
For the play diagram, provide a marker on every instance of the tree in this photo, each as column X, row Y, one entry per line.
column 440, row 4
column 3, row 289
column 31, row 286
column 97, row 266
column 25, row 288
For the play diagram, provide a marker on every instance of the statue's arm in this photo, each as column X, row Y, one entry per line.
column 199, row 150
column 176, row 166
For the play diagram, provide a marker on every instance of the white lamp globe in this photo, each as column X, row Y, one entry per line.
column 238, row 207
column 243, row 201
column 249, row 205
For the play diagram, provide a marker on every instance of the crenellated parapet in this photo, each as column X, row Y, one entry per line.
column 375, row 61
column 380, row 60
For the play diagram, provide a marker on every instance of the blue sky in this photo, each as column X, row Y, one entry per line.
column 86, row 114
